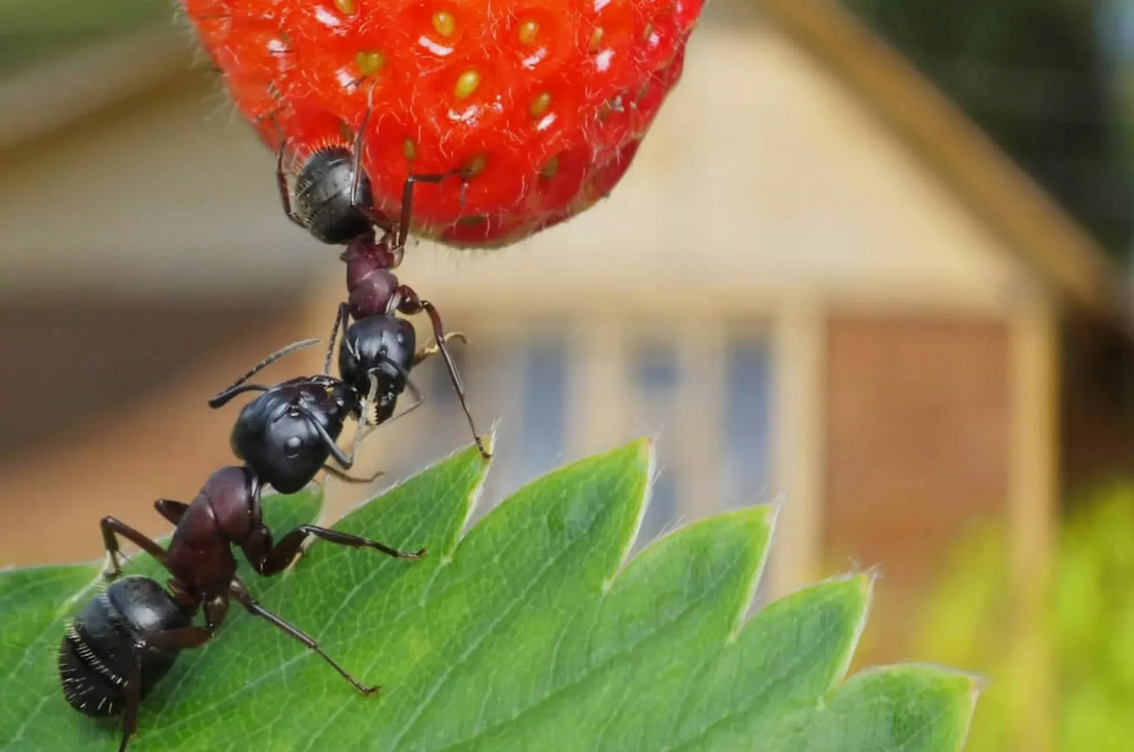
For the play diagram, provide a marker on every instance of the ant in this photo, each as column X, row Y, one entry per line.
column 127, row 638
column 289, row 432
column 330, row 202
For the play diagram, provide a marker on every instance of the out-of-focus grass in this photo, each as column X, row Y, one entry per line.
column 37, row 31
column 1087, row 623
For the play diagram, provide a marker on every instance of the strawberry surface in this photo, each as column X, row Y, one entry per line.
column 542, row 102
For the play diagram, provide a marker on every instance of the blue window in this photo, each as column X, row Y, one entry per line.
column 748, row 422
column 543, row 423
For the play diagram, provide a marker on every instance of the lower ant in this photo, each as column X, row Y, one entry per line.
column 331, row 203
column 128, row 637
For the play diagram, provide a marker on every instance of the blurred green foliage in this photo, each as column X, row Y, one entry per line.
column 1033, row 74
column 1088, row 623
column 33, row 31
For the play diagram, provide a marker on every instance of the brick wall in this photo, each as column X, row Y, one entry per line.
column 917, row 450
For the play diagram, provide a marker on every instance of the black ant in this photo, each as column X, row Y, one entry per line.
column 129, row 636
column 288, row 433
column 331, row 203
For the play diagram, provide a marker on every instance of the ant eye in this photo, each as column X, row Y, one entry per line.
column 292, row 447
column 401, row 338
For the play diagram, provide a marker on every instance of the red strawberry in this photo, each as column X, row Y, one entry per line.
column 545, row 100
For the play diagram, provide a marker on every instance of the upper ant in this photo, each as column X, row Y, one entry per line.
column 330, row 201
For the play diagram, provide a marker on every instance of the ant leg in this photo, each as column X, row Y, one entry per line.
column 348, row 478
column 111, row 529
column 285, row 191
column 361, row 203
column 341, row 319
column 418, row 401
column 239, row 387
column 364, row 430
column 183, row 638
column 270, row 559
column 171, row 510
column 411, row 304
column 407, row 201
column 428, row 352
column 242, row 596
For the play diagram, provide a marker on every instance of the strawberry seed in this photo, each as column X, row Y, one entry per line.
column 467, row 83
column 444, row 23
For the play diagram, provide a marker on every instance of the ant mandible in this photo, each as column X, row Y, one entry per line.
column 330, row 202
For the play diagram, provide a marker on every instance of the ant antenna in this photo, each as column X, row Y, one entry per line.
column 340, row 323
column 227, row 394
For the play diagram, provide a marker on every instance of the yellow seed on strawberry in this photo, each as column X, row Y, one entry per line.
column 596, row 39
column 550, row 168
column 409, row 149
column 346, row 6
column 370, row 61
column 540, row 104
column 444, row 23
column 475, row 166
column 528, row 30
column 466, row 83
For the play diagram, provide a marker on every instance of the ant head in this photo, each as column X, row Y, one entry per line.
column 285, row 434
column 323, row 199
column 382, row 347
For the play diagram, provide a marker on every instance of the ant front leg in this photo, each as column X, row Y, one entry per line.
column 183, row 638
column 365, row 430
column 240, row 593
column 428, row 352
column 111, row 529
column 284, row 189
column 346, row 477
column 409, row 303
column 268, row 559
column 407, row 202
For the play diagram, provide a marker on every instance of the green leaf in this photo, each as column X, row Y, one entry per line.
column 532, row 632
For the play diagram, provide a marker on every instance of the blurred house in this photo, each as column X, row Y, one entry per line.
column 819, row 286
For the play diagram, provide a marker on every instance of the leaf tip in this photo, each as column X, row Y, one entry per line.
column 646, row 449
column 489, row 441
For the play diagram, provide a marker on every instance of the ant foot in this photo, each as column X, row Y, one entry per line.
column 112, row 569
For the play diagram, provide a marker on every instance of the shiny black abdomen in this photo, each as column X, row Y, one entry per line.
column 322, row 197
column 94, row 658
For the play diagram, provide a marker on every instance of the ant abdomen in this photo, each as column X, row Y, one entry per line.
column 98, row 646
column 322, row 199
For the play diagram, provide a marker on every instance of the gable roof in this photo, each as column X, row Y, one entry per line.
column 976, row 170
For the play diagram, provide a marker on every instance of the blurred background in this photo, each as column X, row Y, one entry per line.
column 871, row 265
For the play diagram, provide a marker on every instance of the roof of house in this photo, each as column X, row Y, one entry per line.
column 980, row 174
